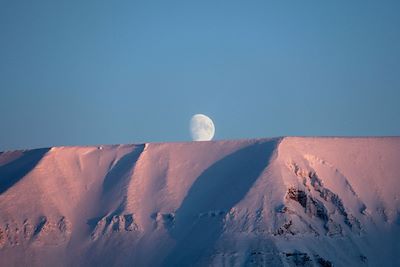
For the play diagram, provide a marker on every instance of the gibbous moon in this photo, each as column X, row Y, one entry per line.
column 201, row 128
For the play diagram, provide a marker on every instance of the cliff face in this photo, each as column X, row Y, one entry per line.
column 263, row 202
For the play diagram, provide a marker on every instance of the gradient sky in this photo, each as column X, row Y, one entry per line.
column 106, row 72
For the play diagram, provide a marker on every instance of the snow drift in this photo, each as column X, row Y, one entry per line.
column 263, row 202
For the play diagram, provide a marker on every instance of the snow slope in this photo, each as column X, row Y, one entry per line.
column 263, row 202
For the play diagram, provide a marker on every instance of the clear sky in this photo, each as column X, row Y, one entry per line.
column 106, row 72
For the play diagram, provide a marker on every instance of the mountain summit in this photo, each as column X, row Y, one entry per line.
column 292, row 201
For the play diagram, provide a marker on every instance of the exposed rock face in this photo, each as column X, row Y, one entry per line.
column 115, row 223
column 41, row 231
column 265, row 202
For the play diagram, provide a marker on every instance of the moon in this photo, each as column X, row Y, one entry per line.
column 201, row 128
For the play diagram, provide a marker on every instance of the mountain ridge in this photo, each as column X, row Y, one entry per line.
column 285, row 201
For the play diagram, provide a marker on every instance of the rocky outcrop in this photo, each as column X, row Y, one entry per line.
column 43, row 230
column 317, row 201
column 114, row 224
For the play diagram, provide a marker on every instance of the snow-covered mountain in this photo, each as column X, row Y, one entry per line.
column 263, row 202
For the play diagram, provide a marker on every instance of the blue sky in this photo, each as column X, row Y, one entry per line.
column 105, row 72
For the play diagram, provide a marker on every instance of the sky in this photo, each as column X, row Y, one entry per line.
column 110, row 72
